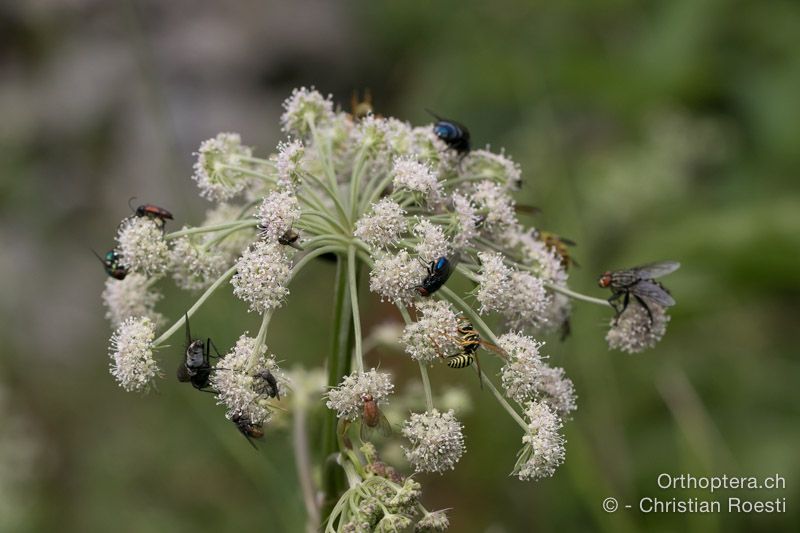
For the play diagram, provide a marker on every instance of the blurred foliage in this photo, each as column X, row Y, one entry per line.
column 645, row 130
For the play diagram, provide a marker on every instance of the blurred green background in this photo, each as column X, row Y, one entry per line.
column 645, row 130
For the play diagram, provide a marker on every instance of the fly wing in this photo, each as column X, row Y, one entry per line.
column 650, row 290
column 384, row 429
column 183, row 373
column 656, row 270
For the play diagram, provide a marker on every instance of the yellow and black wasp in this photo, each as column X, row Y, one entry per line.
column 469, row 341
column 558, row 245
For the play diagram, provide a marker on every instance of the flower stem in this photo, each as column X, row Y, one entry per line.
column 423, row 370
column 426, row 385
column 303, row 463
column 352, row 282
column 503, row 402
column 577, row 296
column 207, row 229
column 222, row 279
column 333, row 479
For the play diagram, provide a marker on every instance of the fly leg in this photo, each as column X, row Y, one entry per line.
column 646, row 307
column 212, row 345
column 614, row 302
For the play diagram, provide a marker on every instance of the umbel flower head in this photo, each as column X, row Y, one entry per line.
column 261, row 276
column 132, row 362
column 130, row 297
column 634, row 331
column 220, row 170
column 348, row 398
column 437, row 443
column 526, row 376
column 434, row 334
column 543, row 445
column 141, row 244
column 423, row 218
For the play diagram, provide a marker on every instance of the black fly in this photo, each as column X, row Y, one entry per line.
column 640, row 283
column 454, row 134
column 438, row 273
column 196, row 366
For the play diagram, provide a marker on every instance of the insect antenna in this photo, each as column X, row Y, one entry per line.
column 98, row 257
column 434, row 115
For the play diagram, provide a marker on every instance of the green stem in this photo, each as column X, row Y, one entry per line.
column 208, row 229
column 426, row 384
column 503, row 402
column 578, row 296
column 352, row 282
column 333, row 479
column 423, row 370
column 177, row 325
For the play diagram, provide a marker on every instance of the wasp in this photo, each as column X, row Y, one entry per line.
column 439, row 272
column 469, row 341
column 290, row 238
column 454, row 134
column 640, row 283
column 247, row 428
column 113, row 265
column 196, row 366
column 361, row 109
column 152, row 212
column 266, row 384
column 557, row 244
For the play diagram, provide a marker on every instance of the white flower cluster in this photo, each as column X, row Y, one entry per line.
column 519, row 296
column 395, row 276
column 383, row 225
column 543, row 446
column 289, row 164
column 634, row 332
column 278, row 212
column 526, row 376
column 348, row 398
column 306, row 108
column 493, row 167
column 437, row 443
column 220, row 169
column 435, row 333
column 130, row 297
column 261, row 276
column 417, row 177
column 132, row 362
column 140, row 242
column 193, row 266
column 240, row 381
